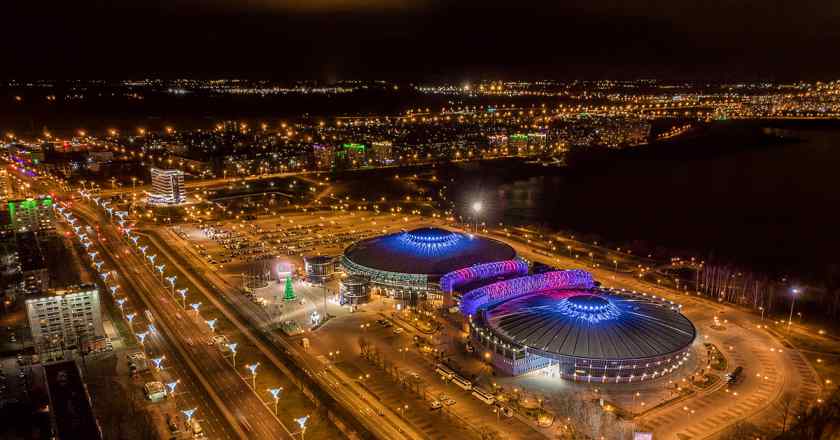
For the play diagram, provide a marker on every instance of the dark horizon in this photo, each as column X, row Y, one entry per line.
column 406, row 40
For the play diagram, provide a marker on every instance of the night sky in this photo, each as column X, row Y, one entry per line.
column 421, row 40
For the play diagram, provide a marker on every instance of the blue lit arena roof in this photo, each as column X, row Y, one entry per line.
column 426, row 251
column 592, row 324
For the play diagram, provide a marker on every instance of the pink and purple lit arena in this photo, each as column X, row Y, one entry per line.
column 562, row 324
column 410, row 264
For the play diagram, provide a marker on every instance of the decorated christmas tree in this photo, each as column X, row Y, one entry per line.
column 289, row 293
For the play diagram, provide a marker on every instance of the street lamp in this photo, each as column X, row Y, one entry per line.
column 275, row 393
column 104, row 276
column 158, row 361
column 477, row 207
column 253, row 369
column 142, row 337
column 172, row 283
column 143, row 249
column 151, row 329
column 171, row 386
column 301, row 421
column 113, row 290
column 93, row 255
column 232, row 348
column 183, row 293
column 152, row 259
column 762, row 312
column 212, row 324
column 188, row 413
column 130, row 318
column 98, row 265
column 793, row 292
column 160, row 270
column 195, row 307
column 120, row 303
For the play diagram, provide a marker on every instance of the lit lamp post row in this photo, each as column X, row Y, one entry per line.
column 141, row 336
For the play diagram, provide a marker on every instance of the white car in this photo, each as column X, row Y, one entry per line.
column 436, row 404
column 398, row 330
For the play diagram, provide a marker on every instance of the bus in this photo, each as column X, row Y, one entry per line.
column 462, row 383
column 445, row 372
column 483, row 396
column 149, row 316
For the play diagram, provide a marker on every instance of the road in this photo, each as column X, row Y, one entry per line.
column 348, row 392
column 772, row 371
column 222, row 383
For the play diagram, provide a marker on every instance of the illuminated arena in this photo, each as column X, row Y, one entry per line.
column 561, row 324
column 410, row 264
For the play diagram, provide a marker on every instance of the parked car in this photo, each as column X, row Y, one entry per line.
column 436, row 404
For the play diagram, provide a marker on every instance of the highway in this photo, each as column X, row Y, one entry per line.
column 346, row 391
column 188, row 392
column 244, row 411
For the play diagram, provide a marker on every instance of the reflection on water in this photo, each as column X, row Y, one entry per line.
column 769, row 205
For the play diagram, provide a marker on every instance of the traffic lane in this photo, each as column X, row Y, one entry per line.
column 213, row 426
column 246, row 330
column 149, row 282
column 217, row 369
column 334, row 336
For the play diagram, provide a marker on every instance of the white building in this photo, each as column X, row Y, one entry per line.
column 62, row 320
column 167, row 187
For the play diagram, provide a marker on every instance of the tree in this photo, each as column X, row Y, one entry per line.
column 289, row 292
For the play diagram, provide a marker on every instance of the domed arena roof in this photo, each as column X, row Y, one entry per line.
column 428, row 251
column 593, row 324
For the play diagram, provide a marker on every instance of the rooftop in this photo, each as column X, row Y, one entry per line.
column 429, row 251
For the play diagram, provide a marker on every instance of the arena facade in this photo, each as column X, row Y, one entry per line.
column 410, row 264
column 561, row 323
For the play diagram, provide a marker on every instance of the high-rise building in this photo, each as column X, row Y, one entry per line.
column 167, row 187
column 323, row 156
column 32, row 214
column 380, row 152
column 62, row 320
column 32, row 265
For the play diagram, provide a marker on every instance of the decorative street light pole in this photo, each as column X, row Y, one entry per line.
column 141, row 337
column 195, row 307
column 275, row 393
column 158, row 361
column 188, row 413
column 477, row 207
column 160, row 271
column 253, row 369
column 130, row 318
column 793, row 292
column 212, row 324
column 172, row 283
column 183, row 293
column 171, row 386
column 232, row 348
column 120, row 303
column 301, row 421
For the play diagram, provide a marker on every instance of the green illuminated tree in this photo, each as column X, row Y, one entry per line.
column 289, row 293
